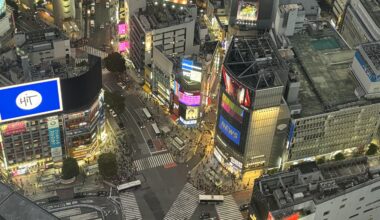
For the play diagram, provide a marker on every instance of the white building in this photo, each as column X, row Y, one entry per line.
column 347, row 189
column 63, row 10
column 290, row 19
column 366, row 67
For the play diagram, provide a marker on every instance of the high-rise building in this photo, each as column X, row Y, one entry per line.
column 332, row 114
column 74, row 129
column 335, row 190
column 173, row 28
column 4, row 19
column 251, row 111
column 3, row 8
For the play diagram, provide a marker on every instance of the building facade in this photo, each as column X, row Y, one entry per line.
column 250, row 106
column 336, row 190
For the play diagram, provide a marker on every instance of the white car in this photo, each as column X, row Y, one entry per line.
column 102, row 26
column 107, row 4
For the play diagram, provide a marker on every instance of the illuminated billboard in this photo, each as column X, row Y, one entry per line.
column 190, row 71
column 3, row 7
column 54, row 138
column 232, row 109
column 192, row 113
column 189, row 99
column 181, row 2
column 123, row 46
column 248, row 10
column 228, row 130
column 30, row 99
column 122, row 29
column 241, row 94
column 13, row 128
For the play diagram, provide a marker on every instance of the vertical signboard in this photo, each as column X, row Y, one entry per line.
column 55, row 138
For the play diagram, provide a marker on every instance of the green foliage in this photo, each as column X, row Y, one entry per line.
column 272, row 171
column 70, row 168
column 339, row 156
column 115, row 62
column 372, row 149
column 115, row 101
column 107, row 165
column 321, row 160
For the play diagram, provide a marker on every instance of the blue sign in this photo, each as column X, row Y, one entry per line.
column 30, row 99
column 54, row 137
column 366, row 68
column 187, row 64
column 230, row 131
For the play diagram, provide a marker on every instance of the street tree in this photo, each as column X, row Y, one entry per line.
column 115, row 62
column 107, row 165
column 70, row 168
column 339, row 156
column 372, row 149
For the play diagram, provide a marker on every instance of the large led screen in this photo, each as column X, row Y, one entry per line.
column 189, row 99
column 228, row 130
column 190, row 71
column 30, row 99
column 232, row 109
column 241, row 94
column 181, row 2
column 248, row 10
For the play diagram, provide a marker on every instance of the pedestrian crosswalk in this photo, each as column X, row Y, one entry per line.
column 129, row 206
column 153, row 161
column 185, row 204
column 228, row 209
column 94, row 51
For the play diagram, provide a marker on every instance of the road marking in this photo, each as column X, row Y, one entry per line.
column 228, row 209
column 129, row 206
column 138, row 127
column 153, row 161
column 185, row 204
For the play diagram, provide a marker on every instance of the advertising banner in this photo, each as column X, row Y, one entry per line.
column 190, row 71
column 13, row 128
column 229, row 131
column 54, row 138
column 189, row 99
column 30, row 99
column 248, row 10
column 192, row 113
column 235, row 111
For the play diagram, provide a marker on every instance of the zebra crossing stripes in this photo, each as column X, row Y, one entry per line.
column 185, row 204
column 228, row 209
column 129, row 206
column 153, row 161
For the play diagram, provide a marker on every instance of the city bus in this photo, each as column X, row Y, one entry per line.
column 147, row 113
column 128, row 185
column 179, row 141
column 211, row 199
column 156, row 130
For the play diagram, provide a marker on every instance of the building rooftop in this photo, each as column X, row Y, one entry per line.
column 254, row 62
column 313, row 183
column 373, row 9
column 372, row 51
column 159, row 16
column 323, row 62
column 15, row 206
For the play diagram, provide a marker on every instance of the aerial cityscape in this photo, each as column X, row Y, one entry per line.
column 190, row 109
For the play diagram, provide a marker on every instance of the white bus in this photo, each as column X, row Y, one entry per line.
column 147, row 113
column 128, row 185
column 179, row 141
column 156, row 130
column 211, row 198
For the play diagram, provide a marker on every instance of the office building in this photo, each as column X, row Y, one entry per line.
column 339, row 9
column 173, row 28
column 361, row 22
column 336, row 190
column 33, row 142
column 331, row 114
column 366, row 68
column 290, row 19
column 5, row 16
column 251, row 112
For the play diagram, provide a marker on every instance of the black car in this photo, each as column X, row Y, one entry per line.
column 204, row 215
column 103, row 193
column 244, row 207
